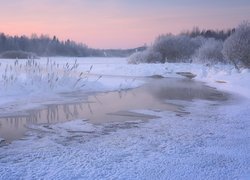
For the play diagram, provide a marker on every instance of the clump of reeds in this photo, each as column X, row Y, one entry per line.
column 51, row 75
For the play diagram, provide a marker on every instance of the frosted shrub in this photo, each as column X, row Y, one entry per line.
column 151, row 56
column 210, row 52
column 175, row 48
column 136, row 58
column 31, row 74
column 237, row 46
column 147, row 56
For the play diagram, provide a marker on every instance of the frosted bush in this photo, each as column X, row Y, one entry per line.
column 210, row 52
column 175, row 48
column 136, row 58
column 237, row 46
column 147, row 56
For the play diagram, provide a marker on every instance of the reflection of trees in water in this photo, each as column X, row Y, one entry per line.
column 156, row 91
column 56, row 113
column 14, row 122
column 51, row 114
column 186, row 90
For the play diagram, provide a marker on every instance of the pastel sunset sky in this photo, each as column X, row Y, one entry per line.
column 117, row 23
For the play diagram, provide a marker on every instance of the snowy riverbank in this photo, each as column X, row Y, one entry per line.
column 221, row 76
column 212, row 142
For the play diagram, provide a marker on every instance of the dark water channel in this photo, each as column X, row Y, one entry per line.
column 113, row 106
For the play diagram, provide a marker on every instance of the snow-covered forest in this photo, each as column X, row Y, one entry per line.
column 43, row 45
column 209, row 48
column 22, row 47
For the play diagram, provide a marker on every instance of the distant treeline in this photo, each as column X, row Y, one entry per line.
column 23, row 46
column 43, row 45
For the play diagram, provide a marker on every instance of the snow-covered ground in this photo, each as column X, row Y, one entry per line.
column 27, row 87
column 212, row 142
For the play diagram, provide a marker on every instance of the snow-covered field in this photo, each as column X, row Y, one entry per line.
column 212, row 142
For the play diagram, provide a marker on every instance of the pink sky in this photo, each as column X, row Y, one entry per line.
column 117, row 23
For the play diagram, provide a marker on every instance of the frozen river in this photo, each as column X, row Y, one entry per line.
column 111, row 106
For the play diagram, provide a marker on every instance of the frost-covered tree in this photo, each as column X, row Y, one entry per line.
column 147, row 56
column 237, row 46
column 198, row 41
column 168, row 48
column 136, row 58
column 175, row 48
column 210, row 52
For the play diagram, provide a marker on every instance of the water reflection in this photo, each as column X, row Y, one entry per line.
column 111, row 106
column 184, row 89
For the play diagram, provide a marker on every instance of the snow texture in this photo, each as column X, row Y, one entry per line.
column 165, row 148
column 212, row 142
